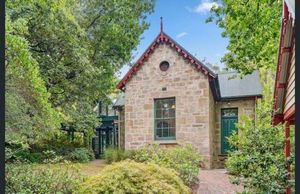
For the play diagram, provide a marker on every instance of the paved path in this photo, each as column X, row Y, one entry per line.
column 216, row 181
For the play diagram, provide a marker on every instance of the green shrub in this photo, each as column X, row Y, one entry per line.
column 31, row 179
column 258, row 156
column 81, row 155
column 112, row 154
column 51, row 157
column 184, row 159
column 91, row 154
column 13, row 154
column 26, row 156
column 132, row 177
column 35, row 157
column 15, row 150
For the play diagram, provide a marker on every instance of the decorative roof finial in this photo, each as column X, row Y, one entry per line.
column 161, row 24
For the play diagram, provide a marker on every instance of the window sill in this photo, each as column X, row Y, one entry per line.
column 166, row 142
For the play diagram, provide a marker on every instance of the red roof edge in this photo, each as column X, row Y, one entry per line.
column 164, row 38
column 277, row 118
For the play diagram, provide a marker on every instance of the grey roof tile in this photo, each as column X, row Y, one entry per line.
column 120, row 100
column 249, row 85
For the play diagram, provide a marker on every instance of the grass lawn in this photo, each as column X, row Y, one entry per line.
column 88, row 169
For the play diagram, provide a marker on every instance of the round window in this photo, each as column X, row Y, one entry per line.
column 164, row 66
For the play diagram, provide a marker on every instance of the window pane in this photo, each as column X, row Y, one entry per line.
column 229, row 112
column 171, row 123
column 165, row 132
column 159, row 124
column 166, row 113
column 172, row 112
column 159, row 104
column 158, row 132
column 165, row 124
column 172, row 132
column 165, row 118
column 158, row 113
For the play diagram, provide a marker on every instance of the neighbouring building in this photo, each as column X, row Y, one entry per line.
column 169, row 97
column 106, row 133
column 284, row 94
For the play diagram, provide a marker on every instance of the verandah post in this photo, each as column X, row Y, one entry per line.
column 288, row 152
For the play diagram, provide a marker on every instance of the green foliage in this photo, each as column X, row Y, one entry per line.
column 253, row 29
column 81, row 155
column 54, row 148
column 51, row 157
column 13, row 149
column 184, row 159
column 59, row 142
column 32, row 179
column 258, row 156
column 112, row 154
column 132, row 177
column 78, row 46
column 28, row 114
column 26, row 156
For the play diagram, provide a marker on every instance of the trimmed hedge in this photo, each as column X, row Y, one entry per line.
column 132, row 177
column 184, row 159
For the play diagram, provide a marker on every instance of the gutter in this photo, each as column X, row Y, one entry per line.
column 277, row 119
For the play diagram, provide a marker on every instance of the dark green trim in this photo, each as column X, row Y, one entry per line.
column 164, row 119
column 225, row 131
column 165, row 138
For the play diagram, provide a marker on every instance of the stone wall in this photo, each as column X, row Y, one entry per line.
column 121, row 127
column 212, row 123
column 182, row 81
column 245, row 107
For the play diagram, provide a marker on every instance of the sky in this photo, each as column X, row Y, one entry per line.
column 184, row 21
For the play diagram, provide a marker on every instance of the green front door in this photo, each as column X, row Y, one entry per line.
column 229, row 117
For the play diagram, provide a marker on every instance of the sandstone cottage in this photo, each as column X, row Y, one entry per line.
column 169, row 97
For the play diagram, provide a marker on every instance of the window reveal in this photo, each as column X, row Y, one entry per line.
column 164, row 120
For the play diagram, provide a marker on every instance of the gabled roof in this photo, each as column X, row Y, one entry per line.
column 232, row 86
column 164, row 38
column 222, row 87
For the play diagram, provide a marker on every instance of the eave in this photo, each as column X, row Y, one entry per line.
column 163, row 38
column 284, row 52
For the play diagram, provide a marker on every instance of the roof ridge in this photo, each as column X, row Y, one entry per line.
column 162, row 37
column 211, row 71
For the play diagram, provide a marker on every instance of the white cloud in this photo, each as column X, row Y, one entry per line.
column 182, row 34
column 203, row 7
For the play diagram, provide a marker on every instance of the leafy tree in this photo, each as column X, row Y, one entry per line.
column 258, row 156
column 253, row 31
column 78, row 47
column 28, row 112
